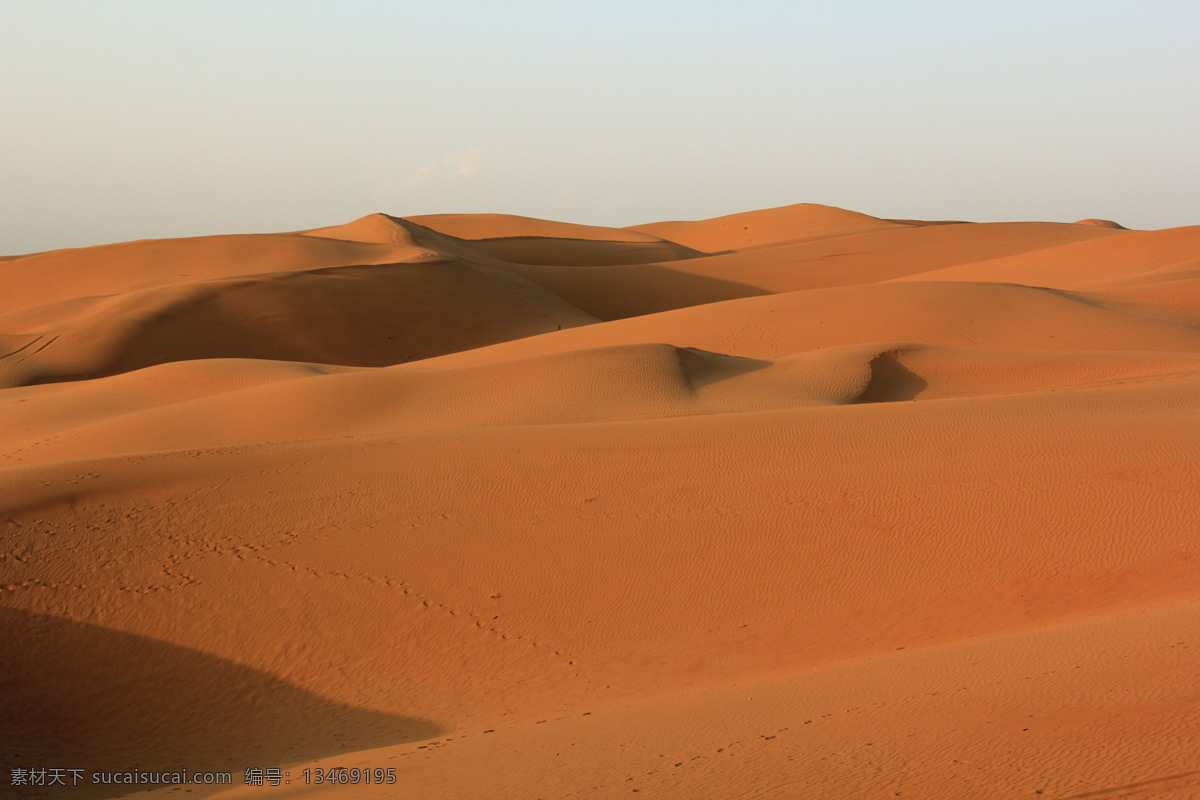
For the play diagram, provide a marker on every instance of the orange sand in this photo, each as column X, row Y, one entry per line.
column 794, row 503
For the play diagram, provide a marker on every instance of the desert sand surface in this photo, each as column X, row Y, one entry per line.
column 792, row 503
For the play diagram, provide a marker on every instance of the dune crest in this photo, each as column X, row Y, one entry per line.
column 768, row 226
column 1101, row 223
column 797, row 502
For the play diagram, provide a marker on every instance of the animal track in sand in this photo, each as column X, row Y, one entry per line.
column 426, row 602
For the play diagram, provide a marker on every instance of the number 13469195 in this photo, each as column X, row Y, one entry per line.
column 349, row 775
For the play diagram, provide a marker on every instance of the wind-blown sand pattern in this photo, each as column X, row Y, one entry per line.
column 794, row 503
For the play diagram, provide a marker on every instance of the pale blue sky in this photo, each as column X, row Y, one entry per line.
column 125, row 119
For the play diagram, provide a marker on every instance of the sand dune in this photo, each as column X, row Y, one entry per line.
column 336, row 301
column 770, row 226
column 523, row 240
column 792, row 503
column 1084, row 263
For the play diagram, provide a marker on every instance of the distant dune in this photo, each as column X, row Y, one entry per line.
column 793, row 503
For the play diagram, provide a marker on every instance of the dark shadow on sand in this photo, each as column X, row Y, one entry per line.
column 78, row 696
column 891, row 381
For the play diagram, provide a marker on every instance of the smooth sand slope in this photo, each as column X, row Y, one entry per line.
column 794, row 503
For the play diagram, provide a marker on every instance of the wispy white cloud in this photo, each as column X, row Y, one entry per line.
column 442, row 174
column 422, row 175
column 466, row 163
column 463, row 164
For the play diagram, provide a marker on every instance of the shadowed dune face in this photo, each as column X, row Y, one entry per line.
column 621, row 291
column 384, row 297
column 891, row 381
column 354, row 315
column 582, row 252
column 75, row 695
column 797, row 502
column 521, row 240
